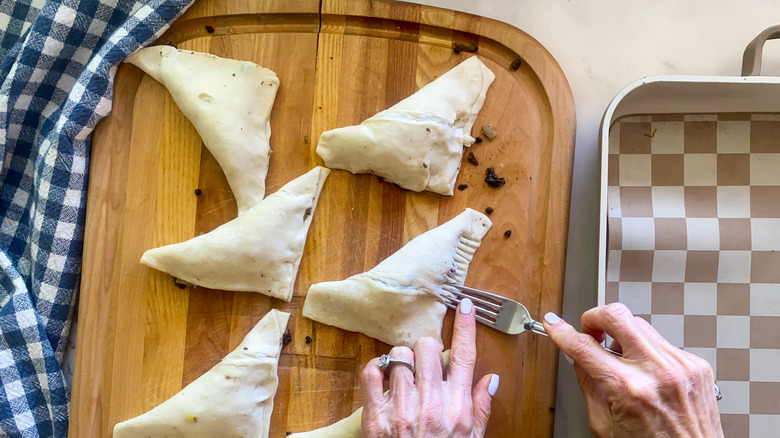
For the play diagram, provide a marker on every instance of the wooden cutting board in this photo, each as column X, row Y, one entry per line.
column 141, row 339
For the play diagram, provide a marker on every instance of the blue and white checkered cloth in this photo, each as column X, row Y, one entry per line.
column 57, row 64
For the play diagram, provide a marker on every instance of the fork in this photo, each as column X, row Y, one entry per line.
column 498, row 312
column 506, row 315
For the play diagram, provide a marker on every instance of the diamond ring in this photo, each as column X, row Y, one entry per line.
column 386, row 362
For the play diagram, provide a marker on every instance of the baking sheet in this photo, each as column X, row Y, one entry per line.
column 693, row 247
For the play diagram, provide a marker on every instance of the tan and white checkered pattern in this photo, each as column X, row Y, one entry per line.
column 694, row 247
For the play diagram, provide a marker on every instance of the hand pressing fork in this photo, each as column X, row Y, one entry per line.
column 495, row 311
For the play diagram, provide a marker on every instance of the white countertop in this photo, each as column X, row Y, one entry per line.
column 602, row 46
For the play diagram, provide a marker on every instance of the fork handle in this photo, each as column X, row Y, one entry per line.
column 536, row 327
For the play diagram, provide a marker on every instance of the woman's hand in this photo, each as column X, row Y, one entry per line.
column 654, row 390
column 437, row 401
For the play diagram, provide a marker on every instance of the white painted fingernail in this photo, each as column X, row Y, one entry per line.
column 493, row 386
column 551, row 318
column 465, row 306
column 568, row 359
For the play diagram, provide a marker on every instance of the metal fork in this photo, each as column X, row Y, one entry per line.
column 506, row 315
column 498, row 312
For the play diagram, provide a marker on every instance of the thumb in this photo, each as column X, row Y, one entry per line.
column 482, row 397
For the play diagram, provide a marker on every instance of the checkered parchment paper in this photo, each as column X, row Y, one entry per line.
column 694, row 247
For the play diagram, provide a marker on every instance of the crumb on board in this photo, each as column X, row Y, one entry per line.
column 507, row 233
column 464, row 47
column 515, row 65
column 489, row 210
column 209, row 29
column 286, row 337
column 473, row 159
column 478, row 139
column 652, row 134
column 463, row 187
column 181, row 284
column 489, row 132
column 198, row 192
column 308, row 339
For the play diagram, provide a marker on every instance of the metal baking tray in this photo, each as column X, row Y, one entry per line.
column 678, row 94
column 689, row 227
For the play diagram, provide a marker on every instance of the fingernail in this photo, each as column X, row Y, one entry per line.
column 551, row 318
column 493, row 386
column 568, row 359
column 465, row 306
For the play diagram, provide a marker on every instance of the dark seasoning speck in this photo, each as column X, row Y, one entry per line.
column 463, row 187
column 461, row 46
column 492, row 179
column 209, row 29
column 286, row 337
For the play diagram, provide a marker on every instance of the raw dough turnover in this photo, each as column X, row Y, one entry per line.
column 259, row 251
column 417, row 143
column 233, row 399
column 398, row 301
column 229, row 103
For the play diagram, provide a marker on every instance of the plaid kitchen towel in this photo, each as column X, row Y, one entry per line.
column 57, row 64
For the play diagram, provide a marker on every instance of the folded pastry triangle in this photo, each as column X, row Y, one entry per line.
column 229, row 103
column 235, row 398
column 398, row 301
column 259, row 251
column 417, row 143
column 350, row 427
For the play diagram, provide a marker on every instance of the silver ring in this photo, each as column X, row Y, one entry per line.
column 386, row 362
column 718, row 395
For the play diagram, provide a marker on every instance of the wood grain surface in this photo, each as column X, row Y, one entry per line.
column 141, row 339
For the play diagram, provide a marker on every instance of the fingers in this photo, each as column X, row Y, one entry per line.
column 482, row 397
column 428, row 365
column 430, row 387
column 583, row 349
column 401, row 377
column 402, row 394
column 463, row 354
column 618, row 322
column 371, row 385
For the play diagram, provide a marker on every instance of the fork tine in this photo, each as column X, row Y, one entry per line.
column 485, row 313
column 479, row 318
column 498, row 300
column 478, row 301
column 489, row 308
column 486, row 321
